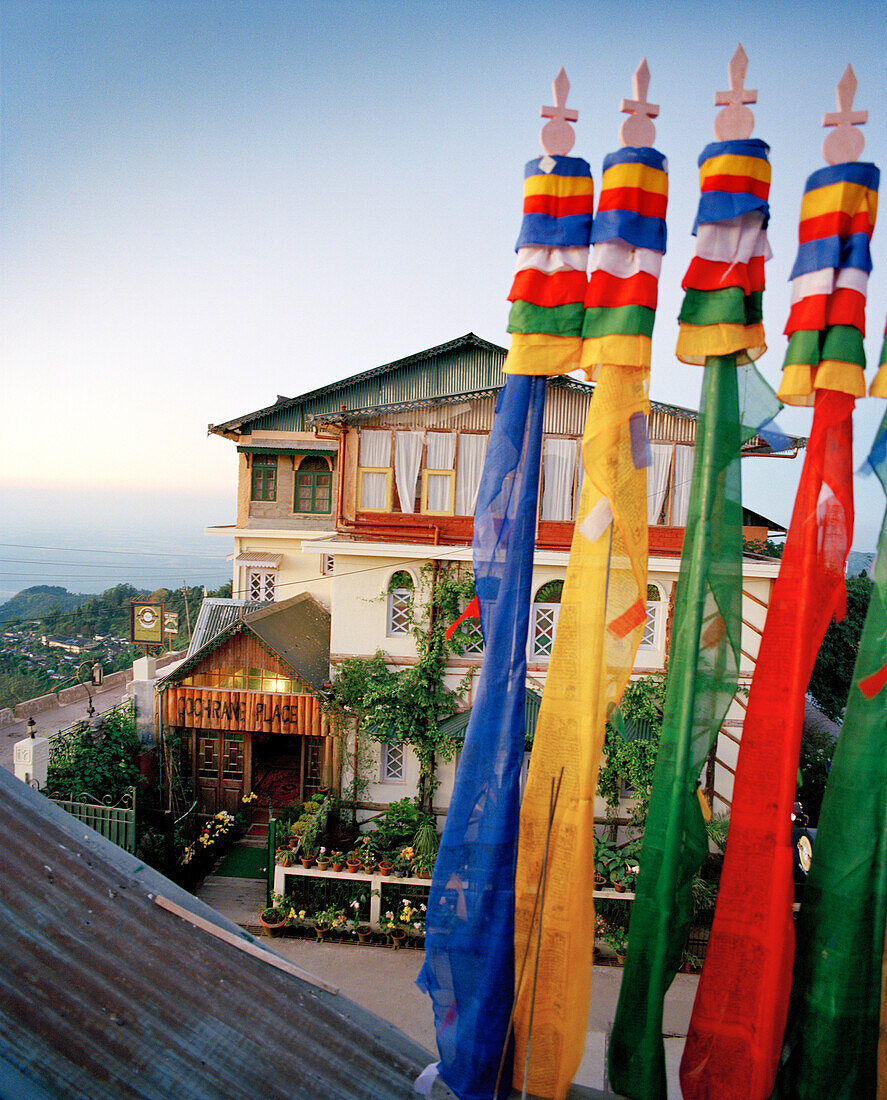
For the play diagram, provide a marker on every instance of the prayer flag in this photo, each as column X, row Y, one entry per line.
column 602, row 613
column 739, row 1016
column 720, row 325
column 831, row 1039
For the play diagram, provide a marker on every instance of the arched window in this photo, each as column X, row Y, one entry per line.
column 313, row 490
column 546, row 608
column 400, row 603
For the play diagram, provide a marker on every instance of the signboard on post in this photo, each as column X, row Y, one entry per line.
column 146, row 622
column 170, row 622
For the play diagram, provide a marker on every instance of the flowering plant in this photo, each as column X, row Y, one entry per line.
column 251, row 797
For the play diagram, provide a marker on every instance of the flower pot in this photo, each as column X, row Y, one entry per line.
column 398, row 936
column 338, row 866
column 619, row 887
column 369, row 868
column 272, row 928
column 385, row 868
column 365, row 934
column 321, row 928
column 620, row 959
column 599, row 882
column 354, row 866
column 307, row 861
column 322, row 864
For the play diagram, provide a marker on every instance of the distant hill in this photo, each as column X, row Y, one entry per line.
column 33, row 603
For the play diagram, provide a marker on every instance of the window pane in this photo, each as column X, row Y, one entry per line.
column 392, row 762
column 400, row 600
column 544, row 628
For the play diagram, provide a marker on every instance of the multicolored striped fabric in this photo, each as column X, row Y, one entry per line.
column 721, row 314
column 879, row 385
column 826, row 324
column 548, row 293
column 629, row 238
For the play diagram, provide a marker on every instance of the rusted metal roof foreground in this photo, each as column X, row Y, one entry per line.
column 105, row 994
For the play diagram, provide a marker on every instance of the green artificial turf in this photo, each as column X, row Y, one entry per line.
column 244, row 863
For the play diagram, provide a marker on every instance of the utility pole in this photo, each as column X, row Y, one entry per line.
column 187, row 612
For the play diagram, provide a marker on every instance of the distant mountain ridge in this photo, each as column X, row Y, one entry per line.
column 35, row 602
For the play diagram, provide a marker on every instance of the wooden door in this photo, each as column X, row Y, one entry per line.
column 220, row 770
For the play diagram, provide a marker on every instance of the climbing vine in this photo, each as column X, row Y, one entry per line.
column 409, row 705
column 630, row 746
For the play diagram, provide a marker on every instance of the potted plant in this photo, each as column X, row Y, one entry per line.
column 386, row 865
column 364, row 933
column 403, row 863
column 326, row 920
column 338, row 860
column 323, row 860
column 616, row 938
column 285, row 857
column 355, row 863
column 272, row 920
column 423, row 867
column 307, row 858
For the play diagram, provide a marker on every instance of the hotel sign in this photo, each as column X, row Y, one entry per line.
column 243, row 711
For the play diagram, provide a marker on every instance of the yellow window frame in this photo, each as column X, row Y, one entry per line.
column 451, row 476
column 361, row 470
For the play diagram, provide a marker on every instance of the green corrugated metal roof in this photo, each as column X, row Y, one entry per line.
column 456, row 724
column 463, row 365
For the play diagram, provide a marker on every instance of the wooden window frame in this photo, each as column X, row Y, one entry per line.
column 266, row 467
column 451, row 475
column 388, row 472
column 314, row 475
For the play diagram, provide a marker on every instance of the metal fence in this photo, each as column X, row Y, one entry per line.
column 115, row 821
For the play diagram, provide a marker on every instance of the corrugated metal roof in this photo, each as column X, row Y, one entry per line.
column 256, row 557
column 296, row 630
column 216, row 615
column 465, row 369
column 104, row 994
column 456, row 724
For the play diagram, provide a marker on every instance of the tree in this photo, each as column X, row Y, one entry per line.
column 408, row 706
column 833, row 671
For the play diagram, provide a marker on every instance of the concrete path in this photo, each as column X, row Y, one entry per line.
column 382, row 980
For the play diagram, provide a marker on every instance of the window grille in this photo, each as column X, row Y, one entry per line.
column 649, row 636
column 400, row 602
column 392, row 769
column 545, row 616
column 262, row 585
column 326, row 564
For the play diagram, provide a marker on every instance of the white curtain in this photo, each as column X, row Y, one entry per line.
column 407, row 458
column 683, row 476
column 375, row 450
column 469, row 467
column 657, row 479
column 558, row 466
column 440, row 455
column 441, row 450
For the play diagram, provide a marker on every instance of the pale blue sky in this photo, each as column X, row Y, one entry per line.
column 207, row 204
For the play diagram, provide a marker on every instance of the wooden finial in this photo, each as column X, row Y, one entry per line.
column 557, row 136
column 845, row 143
column 736, row 121
column 638, row 130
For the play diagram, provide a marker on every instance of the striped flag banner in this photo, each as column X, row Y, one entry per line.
column 469, row 933
column 602, row 613
column 831, row 1039
column 720, row 327
column 738, row 1020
